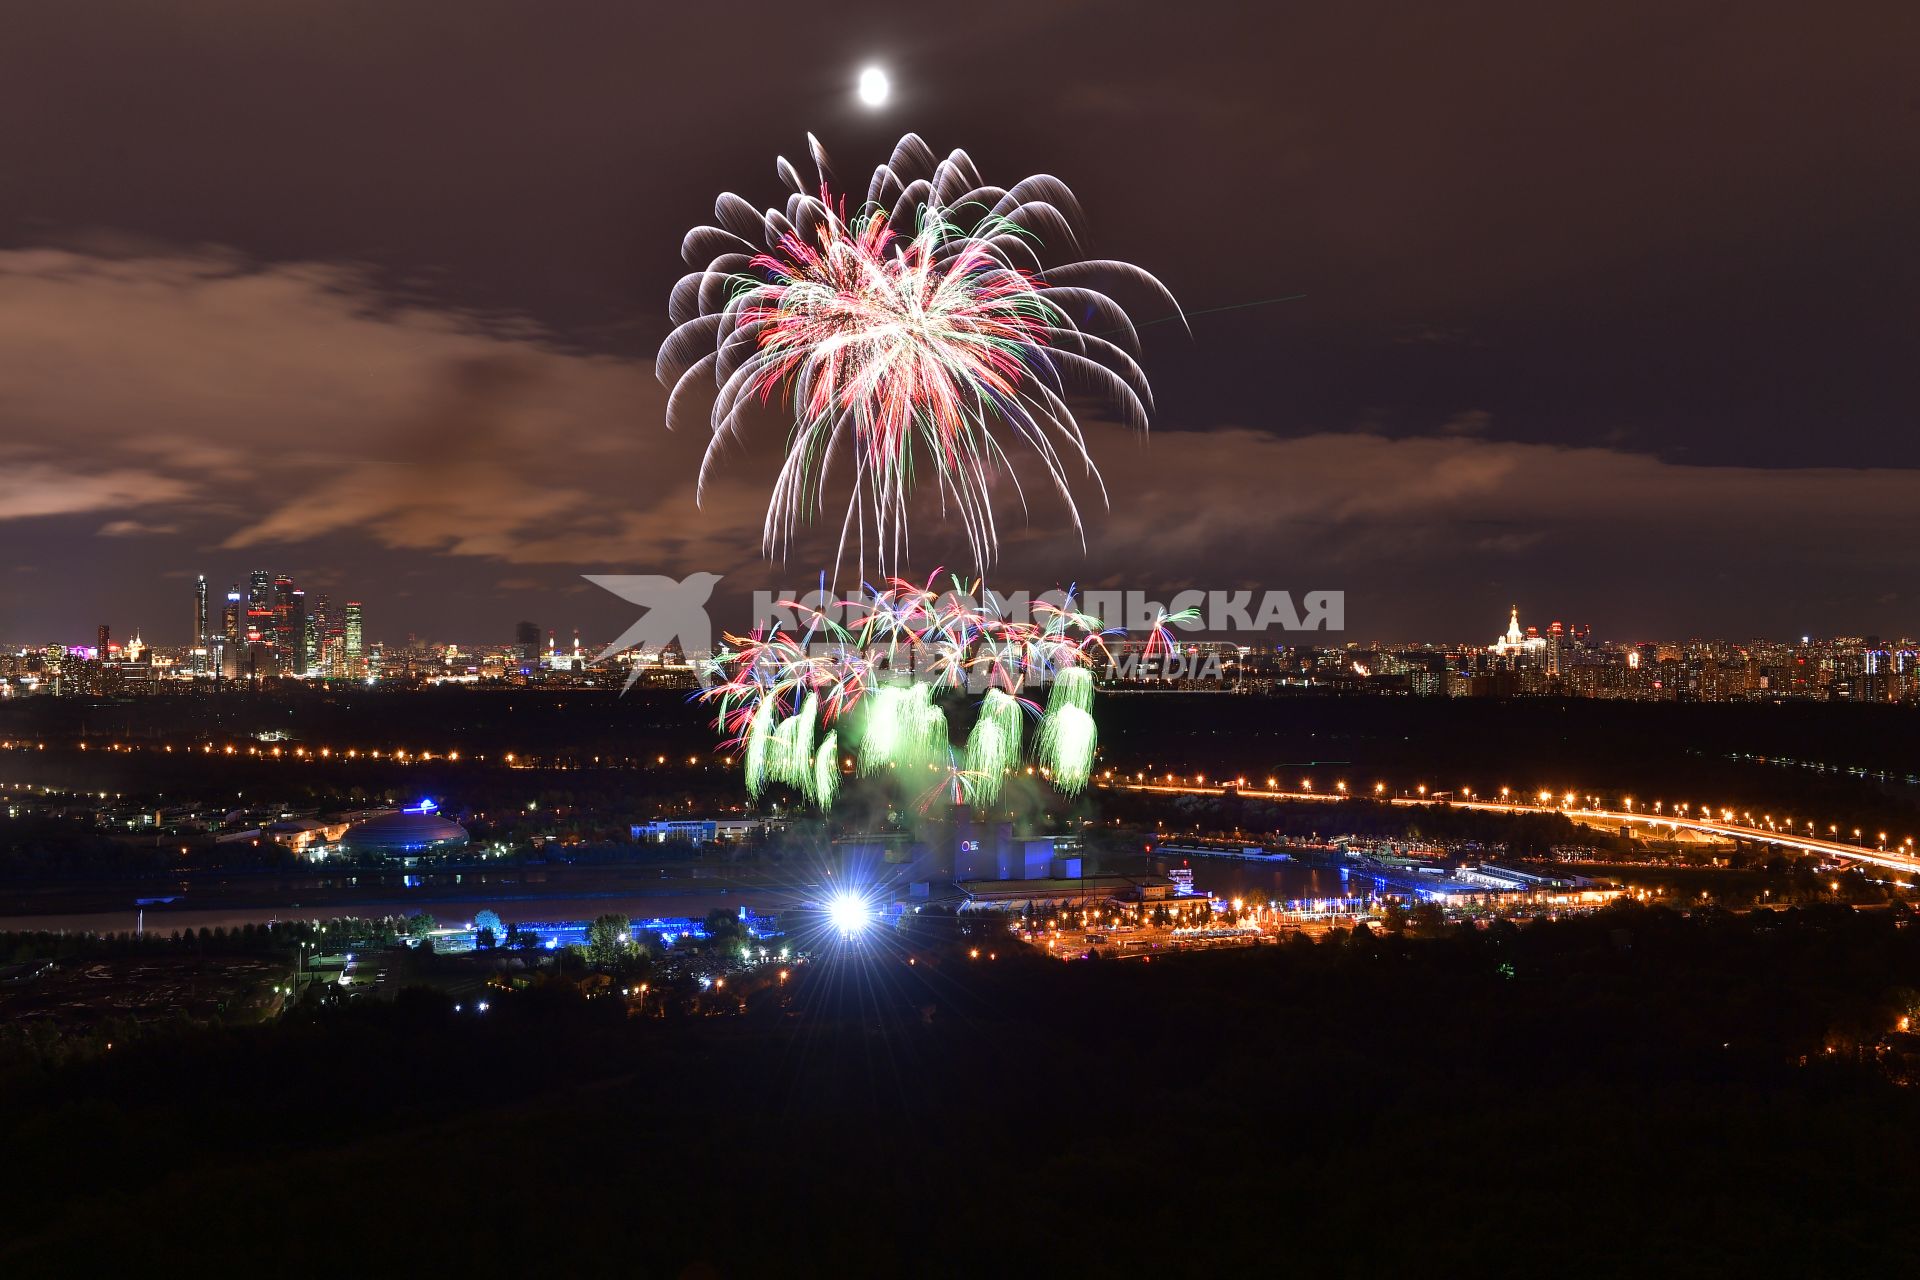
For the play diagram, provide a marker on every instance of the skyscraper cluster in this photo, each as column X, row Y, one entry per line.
column 272, row 629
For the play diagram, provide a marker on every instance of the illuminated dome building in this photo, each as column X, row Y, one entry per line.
column 407, row 832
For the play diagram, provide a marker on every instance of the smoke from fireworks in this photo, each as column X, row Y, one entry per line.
column 918, row 331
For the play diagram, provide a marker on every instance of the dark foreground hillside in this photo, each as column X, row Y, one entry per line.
column 1631, row 1093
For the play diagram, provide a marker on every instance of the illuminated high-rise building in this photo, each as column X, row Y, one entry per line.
column 319, row 618
column 232, row 619
column 283, row 633
column 295, row 634
column 200, row 626
column 1516, row 646
column 259, row 592
column 105, row 637
column 355, row 653
column 257, row 625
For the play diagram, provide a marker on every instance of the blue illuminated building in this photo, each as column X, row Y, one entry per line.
column 661, row 930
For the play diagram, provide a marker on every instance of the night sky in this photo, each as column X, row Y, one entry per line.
column 1610, row 309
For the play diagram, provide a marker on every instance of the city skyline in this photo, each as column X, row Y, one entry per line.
column 267, row 633
column 504, row 635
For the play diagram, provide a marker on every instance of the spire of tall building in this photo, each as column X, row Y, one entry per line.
column 1517, row 642
column 200, row 626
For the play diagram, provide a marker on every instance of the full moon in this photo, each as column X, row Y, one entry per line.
column 873, row 86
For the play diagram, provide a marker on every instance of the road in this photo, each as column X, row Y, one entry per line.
column 1879, row 857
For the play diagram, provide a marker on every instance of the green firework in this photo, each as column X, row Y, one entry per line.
column 994, row 746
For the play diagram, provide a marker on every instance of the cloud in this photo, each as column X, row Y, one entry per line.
column 1468, row 422
column 455, row 479
column 270, row 407
column 1240, row 504
column 37, row 488
column 295, row 401
column 133, row 529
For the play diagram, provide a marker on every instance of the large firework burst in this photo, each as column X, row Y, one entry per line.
column 921, row 330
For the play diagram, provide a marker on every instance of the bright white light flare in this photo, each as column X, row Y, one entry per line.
column 849, row 913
